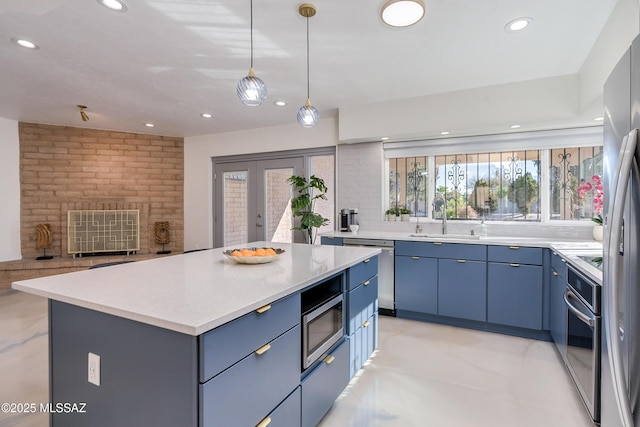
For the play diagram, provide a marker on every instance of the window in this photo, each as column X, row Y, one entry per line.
column 408, row 186
column 534, row 182
column 575, row 183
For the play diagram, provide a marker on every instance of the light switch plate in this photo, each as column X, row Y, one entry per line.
column 94, row 369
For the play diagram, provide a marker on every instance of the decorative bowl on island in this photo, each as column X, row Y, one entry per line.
column 253, row 255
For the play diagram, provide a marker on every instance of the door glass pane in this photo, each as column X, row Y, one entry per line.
column 278, row 220
column 235, row 208
column 324, row 167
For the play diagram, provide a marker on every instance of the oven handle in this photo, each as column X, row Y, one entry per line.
column 591, row 321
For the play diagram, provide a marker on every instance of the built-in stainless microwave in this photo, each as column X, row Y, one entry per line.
column 322, row 327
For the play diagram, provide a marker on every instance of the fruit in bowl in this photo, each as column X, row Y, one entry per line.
column 253, row 255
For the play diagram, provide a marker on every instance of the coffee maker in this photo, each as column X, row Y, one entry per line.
column 348, row 217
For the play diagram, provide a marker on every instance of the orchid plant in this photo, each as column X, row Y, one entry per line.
column 594, row 187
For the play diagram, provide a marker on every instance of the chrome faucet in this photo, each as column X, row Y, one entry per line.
column 418, row 226
column 440, row 203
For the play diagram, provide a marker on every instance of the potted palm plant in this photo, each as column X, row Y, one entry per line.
column 303, row 204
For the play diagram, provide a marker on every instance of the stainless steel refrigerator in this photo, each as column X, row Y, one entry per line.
column 620, row 370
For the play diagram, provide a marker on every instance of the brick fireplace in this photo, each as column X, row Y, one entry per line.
column 64, row 168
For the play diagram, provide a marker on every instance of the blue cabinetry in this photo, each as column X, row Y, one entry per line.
column 515, row 295
column 416, row 282
column 329, row 240
column 488, row 287
column 263, row 379
column 462, row 289
column 362, row 312
column 515, row 286
column 323, row 385
column 445, row 279
column 558, row 309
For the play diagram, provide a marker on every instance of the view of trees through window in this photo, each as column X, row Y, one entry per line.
column 503, row 186
column 576, row 187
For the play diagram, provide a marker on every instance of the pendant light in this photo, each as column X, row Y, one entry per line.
column 251, row 90
column 307, row 114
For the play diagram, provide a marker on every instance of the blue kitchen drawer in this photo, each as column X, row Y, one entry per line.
column 362, row 343
column 362, row 272
column 321, row 388
column 245, row 393
column 329, row 240
column 515, row 255
column 287, row 414
column 225, row 345
column 442, row 250
column 559, row 264
column 362, row 302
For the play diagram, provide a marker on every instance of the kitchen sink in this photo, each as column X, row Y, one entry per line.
column 445, row 236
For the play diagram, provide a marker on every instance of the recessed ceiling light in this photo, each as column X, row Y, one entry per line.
column 149, row 125
column 445, row 132
column 117, row 5
column 517, row 25
column 280, row 103
column 515, row 126
column 25, row 43
column 598, row 119
column 206, row 115
column 384, row 138
column 402, row 13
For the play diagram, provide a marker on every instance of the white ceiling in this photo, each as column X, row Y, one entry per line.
column 167, row 61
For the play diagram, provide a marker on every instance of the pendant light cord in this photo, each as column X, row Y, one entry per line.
column 251, row 33
column 308, row 56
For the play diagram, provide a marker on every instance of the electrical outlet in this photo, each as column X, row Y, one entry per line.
column 94, row 369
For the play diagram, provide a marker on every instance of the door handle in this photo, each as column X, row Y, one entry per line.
column 580, row 315
column 258, row 224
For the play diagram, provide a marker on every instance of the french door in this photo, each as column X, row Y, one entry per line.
column 252, row 201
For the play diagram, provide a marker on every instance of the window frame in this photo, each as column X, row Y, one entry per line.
column 544, row 141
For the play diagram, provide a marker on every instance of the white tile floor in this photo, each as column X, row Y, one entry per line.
column 422, row 375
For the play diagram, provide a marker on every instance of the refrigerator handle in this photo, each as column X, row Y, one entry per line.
column 613, row 276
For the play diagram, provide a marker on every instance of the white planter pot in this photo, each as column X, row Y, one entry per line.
column 404, row 217
column 391, row 218
column 597, row 232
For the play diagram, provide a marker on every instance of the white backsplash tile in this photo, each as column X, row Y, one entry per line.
column 360, row 185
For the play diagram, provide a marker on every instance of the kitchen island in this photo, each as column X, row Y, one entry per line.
column 193, row 339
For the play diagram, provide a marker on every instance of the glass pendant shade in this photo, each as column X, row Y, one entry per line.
column 308, row 115
column 251, row 90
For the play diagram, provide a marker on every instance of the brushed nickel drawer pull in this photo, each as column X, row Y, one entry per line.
column 415, row 257
column 366, row 260
column 329, row 359
column 365, row 323
column 514, row 247
column 265, row 422
column 555, row 273
column 263, row 349
column 263, row 309
column 514, row 265
column 461, row 260
column 366, row 283
column 437, row 243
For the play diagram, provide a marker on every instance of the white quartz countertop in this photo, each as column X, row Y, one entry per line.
column 196, row 292
column 474, row 240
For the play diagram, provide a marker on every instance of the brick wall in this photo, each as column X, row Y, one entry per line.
column 64, row 168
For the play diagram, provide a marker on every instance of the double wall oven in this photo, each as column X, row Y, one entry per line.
column 584, row 324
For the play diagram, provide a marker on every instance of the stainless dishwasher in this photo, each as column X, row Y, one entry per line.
column 386, row 288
